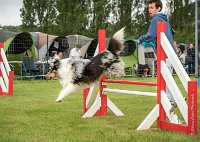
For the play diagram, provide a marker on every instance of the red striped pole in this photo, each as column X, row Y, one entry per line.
column 161, row 27
column 130, row 82
column 10, row 77
column 192, row 108
column 1, row 60
column 103, row 109
column 102, row 40
column 102, row 47
column 85, row 94
column 10, row 86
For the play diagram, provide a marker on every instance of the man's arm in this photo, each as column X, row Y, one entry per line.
column 151, row 34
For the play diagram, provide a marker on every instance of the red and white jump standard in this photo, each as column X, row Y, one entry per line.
column 162, row 112
column 6, row 75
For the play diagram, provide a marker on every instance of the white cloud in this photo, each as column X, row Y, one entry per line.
column 10, row 12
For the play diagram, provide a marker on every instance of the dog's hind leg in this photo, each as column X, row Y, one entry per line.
column 65, row 92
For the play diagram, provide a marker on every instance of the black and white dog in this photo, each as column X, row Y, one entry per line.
column 74, row 74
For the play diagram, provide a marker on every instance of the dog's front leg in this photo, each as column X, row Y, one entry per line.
column 62, row 90
column 65, row 92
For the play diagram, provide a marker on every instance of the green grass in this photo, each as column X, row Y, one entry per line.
column 130, row 60
column 31, row 115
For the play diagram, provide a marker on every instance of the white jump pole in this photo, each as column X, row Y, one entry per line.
column 130, row 92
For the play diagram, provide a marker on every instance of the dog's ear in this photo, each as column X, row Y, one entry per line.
column 116, row 44
column 56, row 64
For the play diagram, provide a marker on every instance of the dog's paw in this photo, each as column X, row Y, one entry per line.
column 58, row 101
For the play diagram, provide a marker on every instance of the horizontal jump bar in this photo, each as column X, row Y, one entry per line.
column 130, row 82
column 130, row 92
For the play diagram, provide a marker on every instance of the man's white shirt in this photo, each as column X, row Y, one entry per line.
column 75, row 54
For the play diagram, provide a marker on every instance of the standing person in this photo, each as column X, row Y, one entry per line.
column 183, row 59
column 178, row 50
column 75, row 53
column 191, row 58
column 154, row 10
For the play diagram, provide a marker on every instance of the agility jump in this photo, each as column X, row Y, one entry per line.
column 163, row 108
column 6, row 75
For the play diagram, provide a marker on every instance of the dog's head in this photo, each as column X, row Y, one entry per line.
column 113, row 65
column 53, row 72
column 115, row 70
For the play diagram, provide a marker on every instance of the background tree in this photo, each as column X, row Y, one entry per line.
column 28, row 16
column 46, row 14
column 72, row 17
column 182, row 20
column 38, row 15
column 125, row 16
column 61, row 17
column 98, row 16
column 141, row 20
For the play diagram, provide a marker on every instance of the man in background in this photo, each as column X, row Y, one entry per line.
column 75, row 53
column 191, row 58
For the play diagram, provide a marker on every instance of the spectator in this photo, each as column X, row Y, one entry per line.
column 183, row 59
column 75, row 53
column 146, row 70
column 142, row 70
column 191, row 58
column 178, row 50
column 175, row 44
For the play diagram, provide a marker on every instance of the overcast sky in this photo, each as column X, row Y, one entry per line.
column 10, row 14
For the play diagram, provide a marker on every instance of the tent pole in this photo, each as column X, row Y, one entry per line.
column 196, row 39
column 47, row 66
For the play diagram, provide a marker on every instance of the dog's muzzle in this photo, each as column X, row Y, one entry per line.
column 50, row 75
column 114, row 74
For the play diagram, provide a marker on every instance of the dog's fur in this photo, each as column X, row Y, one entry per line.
column 74, row 74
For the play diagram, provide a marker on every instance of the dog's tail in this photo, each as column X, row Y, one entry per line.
column 116, row 43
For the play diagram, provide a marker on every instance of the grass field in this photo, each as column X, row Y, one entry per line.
column 31, row 115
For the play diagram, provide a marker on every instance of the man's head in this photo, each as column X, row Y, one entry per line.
column 191, row 45
column 154, row 6
column 77, row 46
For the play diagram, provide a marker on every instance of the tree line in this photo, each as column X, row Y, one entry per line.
column 86, row 17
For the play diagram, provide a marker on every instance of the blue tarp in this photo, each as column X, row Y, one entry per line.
column 145, row 44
